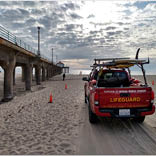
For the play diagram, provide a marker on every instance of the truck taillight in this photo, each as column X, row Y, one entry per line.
column 96, row 99
column 152, row 96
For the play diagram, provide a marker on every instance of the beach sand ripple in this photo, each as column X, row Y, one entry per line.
column 30, row 125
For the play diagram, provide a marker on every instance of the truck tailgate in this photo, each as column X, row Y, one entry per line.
column 124, row 97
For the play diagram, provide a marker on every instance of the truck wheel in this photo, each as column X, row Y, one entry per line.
column 140, row 119
column 92, row 117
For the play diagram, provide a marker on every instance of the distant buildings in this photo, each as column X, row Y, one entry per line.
column 64, row 69
column 60, row 64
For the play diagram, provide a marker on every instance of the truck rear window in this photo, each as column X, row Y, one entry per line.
column 113, row 79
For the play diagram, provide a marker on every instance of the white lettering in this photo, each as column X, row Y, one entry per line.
column 123, row 91
column 109, row 91
column 132, row 91
column 141, row 91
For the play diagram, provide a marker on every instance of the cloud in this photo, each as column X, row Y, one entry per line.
column 28, row 3
column 91, row 16
column 120, row 23
column 69, row 27
column 3, row 3
column 110, row 28
column 70, row 6
column 35, row 12
column 46, row 21
column 83, row 30
column 75, row 16
column 126, row 29
column 110, row 33
column 31, row 21
column 74, row 53
column 23, row 12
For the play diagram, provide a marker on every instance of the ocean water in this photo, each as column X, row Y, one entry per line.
column 134, row 71
column 71, row 71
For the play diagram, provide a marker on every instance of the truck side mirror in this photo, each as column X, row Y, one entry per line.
column 85, row 79
column 136, row 81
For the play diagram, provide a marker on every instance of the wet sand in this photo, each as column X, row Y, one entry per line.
column 30, row 125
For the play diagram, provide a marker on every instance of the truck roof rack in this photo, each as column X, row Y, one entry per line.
column 122, row 63
column 106, row 59
column 117, row 62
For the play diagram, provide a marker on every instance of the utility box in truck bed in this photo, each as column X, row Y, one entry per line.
column 111, row 92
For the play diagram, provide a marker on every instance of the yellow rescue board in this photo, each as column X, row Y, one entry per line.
column 122, row 66
column 129, row 61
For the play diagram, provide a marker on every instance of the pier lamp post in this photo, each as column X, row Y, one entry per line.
column 56, row 58
column 38, row 41
column 52, row 55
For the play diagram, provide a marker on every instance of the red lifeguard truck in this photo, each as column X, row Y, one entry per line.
column 111, row 92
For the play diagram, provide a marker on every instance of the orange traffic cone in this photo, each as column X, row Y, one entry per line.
column 50, row 98
column 153, row 82
column 65, row 86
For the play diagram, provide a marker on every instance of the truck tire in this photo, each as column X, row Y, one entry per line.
column 140, row 119
column 92, row 117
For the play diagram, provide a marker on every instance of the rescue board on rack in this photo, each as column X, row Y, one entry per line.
column 133, row 61
column 117, row 62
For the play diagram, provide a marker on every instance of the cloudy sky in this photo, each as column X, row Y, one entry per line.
column 80, row 31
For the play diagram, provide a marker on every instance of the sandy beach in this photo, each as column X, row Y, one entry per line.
column 30, row 125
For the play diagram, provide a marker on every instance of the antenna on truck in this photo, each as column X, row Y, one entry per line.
column 137, row 53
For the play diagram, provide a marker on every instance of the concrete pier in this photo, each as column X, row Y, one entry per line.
column 8, row 67
column 47, row 74
column 14, row 76
column 43, row 74
column 12, row 55
column 38, row 74
column 23, row 73
column 28, row 80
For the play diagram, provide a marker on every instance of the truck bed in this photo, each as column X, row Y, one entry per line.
column 131, row 97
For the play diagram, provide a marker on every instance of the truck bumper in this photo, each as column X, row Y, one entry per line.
column 114, row 112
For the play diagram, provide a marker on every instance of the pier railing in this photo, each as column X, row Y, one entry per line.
column 17, row 41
